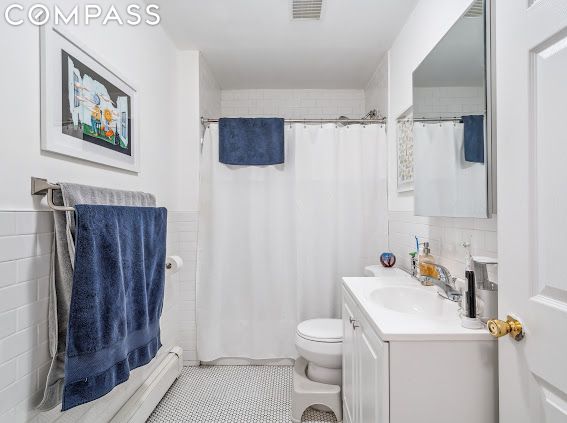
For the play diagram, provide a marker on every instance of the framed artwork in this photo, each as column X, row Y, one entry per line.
column 87, row 110
column 404, row 144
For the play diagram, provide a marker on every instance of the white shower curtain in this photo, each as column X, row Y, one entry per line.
column 454, row 186
column 274, row 241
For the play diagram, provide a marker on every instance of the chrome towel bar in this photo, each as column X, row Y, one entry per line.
column 40, row 186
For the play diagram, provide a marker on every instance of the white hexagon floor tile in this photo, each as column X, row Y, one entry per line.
column 232, row 394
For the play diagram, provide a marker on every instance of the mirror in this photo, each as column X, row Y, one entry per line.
column 451, row 122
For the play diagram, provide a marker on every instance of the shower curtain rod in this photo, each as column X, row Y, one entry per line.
column 458, row 119
column 206, row 121
column 439, row 119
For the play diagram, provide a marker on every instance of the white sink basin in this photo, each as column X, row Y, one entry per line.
column 401, row 309
column 417, row 301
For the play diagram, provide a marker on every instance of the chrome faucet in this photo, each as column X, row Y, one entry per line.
column 446, row 282
column 414, row 264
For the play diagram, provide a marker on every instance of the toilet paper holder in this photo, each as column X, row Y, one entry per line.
column 173, row 263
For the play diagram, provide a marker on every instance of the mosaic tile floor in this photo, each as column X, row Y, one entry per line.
column 232, row 394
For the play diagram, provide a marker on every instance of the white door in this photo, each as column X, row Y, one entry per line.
column 531, row 71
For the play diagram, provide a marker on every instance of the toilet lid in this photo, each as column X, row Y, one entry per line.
column 321, row 330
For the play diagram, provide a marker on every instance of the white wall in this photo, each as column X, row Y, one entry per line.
column 293, row 104
column 376, row 91
column 144, row 56
column 188, row 131
column 209, row 91
column 170, row 169
column 168, row 86
column 199, row 95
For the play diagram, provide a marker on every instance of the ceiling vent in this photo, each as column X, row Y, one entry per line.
column 306, row 9
column 476, row 10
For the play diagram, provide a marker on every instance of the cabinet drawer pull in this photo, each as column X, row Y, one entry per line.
column 353, row 322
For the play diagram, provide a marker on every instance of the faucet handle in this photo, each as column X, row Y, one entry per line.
column 445, row 274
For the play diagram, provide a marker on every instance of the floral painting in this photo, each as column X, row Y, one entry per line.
column 404, row 136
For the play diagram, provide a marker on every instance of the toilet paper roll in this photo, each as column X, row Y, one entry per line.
column 173, row 264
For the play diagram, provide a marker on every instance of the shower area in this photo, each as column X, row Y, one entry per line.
column 274, row 241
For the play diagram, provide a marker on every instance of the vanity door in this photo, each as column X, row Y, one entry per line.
column 349, row 364
column 373, row 385
column 365, row 369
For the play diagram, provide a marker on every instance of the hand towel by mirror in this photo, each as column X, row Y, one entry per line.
column 117, row 298
column 251, row 141
column 474, row 138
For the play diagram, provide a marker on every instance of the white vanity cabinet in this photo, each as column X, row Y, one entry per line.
column 365, row 369
column 399, row 369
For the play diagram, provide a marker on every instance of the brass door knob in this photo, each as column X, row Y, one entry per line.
column 499, row 328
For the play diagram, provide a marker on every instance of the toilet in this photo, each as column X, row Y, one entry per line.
column 317, row 376
column 320, row 342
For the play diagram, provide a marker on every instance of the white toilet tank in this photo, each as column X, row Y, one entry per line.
column 378, row 270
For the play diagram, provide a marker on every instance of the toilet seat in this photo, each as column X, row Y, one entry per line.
column 320, row 341
column 321, row 330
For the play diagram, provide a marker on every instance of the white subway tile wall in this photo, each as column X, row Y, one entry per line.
column 449, row 101
column 445, row 236
column 184, row 226
column 25, row 248
column 293, row 104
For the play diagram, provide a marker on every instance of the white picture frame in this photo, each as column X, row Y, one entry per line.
column 404, row 151
column 103, row 110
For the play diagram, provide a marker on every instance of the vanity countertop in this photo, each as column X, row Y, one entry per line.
column 401, row 309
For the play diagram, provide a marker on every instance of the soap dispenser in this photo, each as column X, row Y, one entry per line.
column 425, row 259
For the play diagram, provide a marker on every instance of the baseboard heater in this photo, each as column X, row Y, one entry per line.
column 140, row 405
